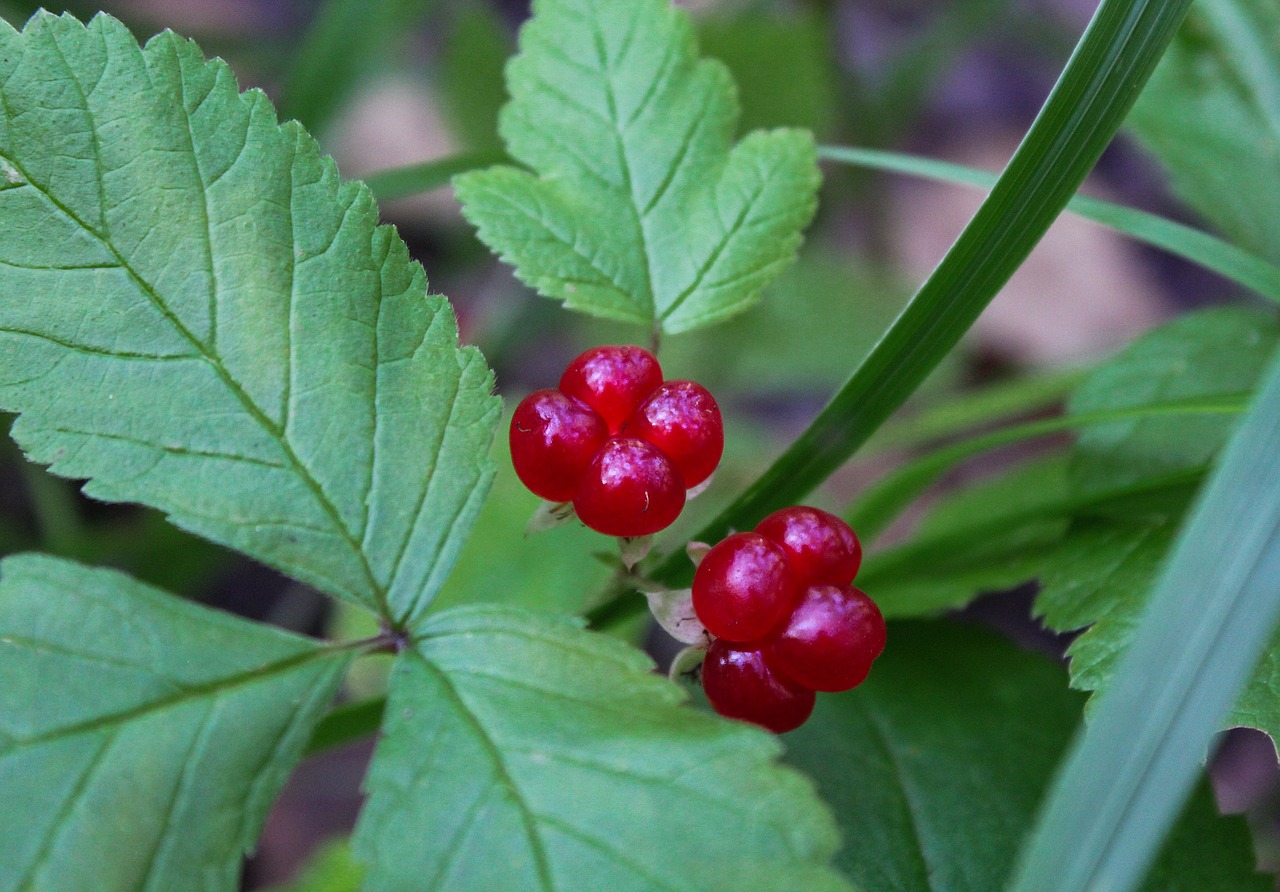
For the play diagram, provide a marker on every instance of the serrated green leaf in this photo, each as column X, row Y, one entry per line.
column 936, row 764
column 641, row 209
column 1206, row 354
column 1211, row 115
column 197, row 314
column 1101, row 578
column 142, row 738
column 524, row 753
column 1213, row 614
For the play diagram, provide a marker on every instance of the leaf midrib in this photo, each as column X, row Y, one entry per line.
column 185, row 694
column 275, row 432
column 528, row 816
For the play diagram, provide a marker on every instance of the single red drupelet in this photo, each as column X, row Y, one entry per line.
column 613, row 380
column 744, row 588
column 629, row 489
column 822, row 547
column 554, row 437
column 830, row 640
column 740, row 685
column 682, row 419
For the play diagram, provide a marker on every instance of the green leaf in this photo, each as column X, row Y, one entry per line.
column 936, row 764
column 198, row 315
column 641, row 208
column 1211, row 115
column 523, row 753
column 472, row 90
column 1210, row 354
column 142, row 738
column 1213, row 614
column 989, row 536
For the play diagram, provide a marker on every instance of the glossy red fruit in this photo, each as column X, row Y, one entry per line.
column 830, row 640
column 822, row 547
column 629, row 489
column 740, row 685
column 554, row 437
column 613, row 380
column 744, row 588
column 682, row 419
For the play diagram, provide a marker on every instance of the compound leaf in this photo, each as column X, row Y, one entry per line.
column 521, row 752
column 197, row 314
column 142, row 738
column 640, row 207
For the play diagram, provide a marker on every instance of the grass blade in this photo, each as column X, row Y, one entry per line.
column 1215, row 608
column 1222, row 257
column 879, row 505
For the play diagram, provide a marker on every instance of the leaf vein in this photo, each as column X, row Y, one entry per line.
column 527, row 814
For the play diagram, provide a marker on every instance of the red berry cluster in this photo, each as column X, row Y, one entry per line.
column 786, row 618
column 617, row 441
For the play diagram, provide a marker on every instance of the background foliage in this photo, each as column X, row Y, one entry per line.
column 198, row 315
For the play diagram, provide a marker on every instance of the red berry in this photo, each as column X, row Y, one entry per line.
column 822, row 547
column 629, row 489
column 744, row 588
column 741, row 685
column 682, row 419
column 553, row 439
column 613, row 380
column 831, row 639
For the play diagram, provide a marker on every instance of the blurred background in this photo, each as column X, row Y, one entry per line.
column 383, row 84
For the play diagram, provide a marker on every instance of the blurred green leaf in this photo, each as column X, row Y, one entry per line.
column 520, row 752
column 472, row 89
column 885, row 500
column 641, row 209
column 398, row 182
column 332, row 868
column 1194, row 646
column 795, row 87
column 948, row 414
column 1211, row 115
column 551, row 572
column 225, row 332
column 986, row 537
column 346, row 38
column 936, row 764
column 1201, row 356
column 142, row 738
